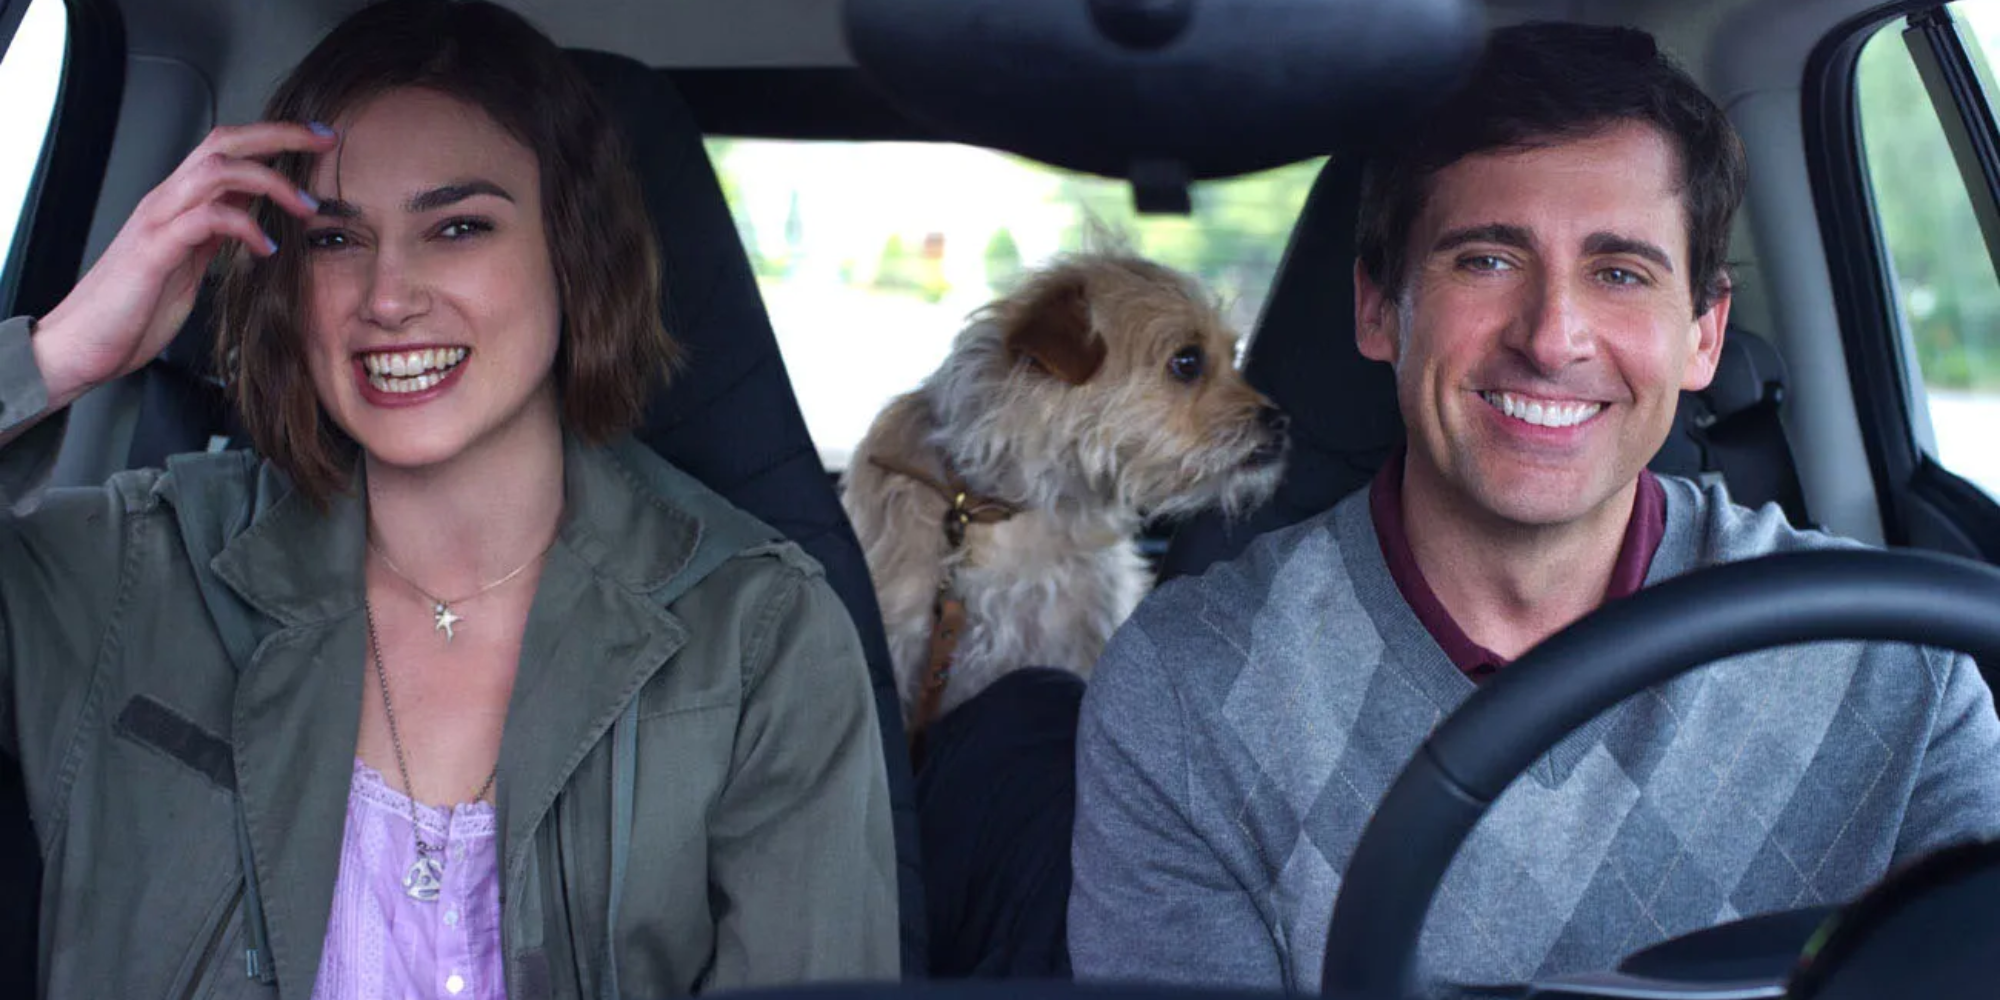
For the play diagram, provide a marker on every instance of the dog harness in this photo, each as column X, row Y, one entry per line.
column 947, row 609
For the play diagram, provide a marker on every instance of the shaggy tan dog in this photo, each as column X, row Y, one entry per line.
column 998, row 502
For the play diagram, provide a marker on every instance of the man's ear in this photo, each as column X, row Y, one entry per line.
column 1053, row 334
column 1709, row 329
column 1375, row 319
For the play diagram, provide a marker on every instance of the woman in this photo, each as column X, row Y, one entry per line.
column 458, row 691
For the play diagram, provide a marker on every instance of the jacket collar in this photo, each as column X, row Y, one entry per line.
column 299, row 565
column 595, row 636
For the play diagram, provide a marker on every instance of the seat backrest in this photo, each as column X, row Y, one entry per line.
column 730, row 418
column 1345, row 421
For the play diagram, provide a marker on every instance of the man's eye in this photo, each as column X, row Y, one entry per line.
column 1485, row 262
column 1621, row 276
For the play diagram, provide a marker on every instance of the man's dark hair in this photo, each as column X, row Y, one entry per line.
column 1545, row 83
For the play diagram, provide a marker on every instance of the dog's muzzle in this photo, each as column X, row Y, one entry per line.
column 1275, row 424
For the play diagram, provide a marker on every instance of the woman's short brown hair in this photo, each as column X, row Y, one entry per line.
column 613, row 351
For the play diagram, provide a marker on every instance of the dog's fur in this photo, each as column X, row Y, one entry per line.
column 1059, row 400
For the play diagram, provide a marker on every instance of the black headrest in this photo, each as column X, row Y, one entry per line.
column 1302, row 352
column 1749, row 372
column 1156, row 90
column 730, row 419
column 1345, row 422
column 181, row 404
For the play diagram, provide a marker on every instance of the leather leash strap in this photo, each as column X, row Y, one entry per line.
column 947, row 610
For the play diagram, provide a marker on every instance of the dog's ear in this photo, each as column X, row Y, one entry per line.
column 1053, row 334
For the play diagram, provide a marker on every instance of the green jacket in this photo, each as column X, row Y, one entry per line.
column 719, row 746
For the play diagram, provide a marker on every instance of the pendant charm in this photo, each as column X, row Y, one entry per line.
column 444, row 618
column 425, row 879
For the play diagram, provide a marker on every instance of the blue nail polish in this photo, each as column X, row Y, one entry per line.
column 270, row 244
column 320, row 128
column 311, row 202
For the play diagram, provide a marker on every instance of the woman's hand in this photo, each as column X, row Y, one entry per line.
column 134, row 299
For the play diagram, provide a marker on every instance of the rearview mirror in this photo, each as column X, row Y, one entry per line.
column 1164, row 92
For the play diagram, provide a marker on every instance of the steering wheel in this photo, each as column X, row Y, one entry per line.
column 1602, row 659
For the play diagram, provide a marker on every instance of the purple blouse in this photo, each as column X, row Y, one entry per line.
column 382, row 943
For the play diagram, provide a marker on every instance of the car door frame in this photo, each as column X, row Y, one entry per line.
column 1922, row 503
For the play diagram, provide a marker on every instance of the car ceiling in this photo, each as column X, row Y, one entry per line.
column 242, row 47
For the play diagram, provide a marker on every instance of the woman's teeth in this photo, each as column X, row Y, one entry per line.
column 1541, row 414
column 411, row 371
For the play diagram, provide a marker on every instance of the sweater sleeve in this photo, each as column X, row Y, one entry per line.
column 1151, row 901
column 1957, row 793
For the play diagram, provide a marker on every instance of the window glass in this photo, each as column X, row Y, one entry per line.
column 1946, row 289
column 30, row 76
column 871, row 255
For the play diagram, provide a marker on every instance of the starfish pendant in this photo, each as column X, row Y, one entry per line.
column 444, row 618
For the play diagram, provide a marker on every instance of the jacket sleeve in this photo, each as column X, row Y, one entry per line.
column 1957, row 793
column 61, row 555
column 802, row 858
column 1152, row 902
column 25, row 463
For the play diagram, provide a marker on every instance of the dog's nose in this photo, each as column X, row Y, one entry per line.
column 1274, row 419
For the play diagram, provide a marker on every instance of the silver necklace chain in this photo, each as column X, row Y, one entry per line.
column 424, row 880
column 443, row 618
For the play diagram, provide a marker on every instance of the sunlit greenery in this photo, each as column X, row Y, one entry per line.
column 1950, row 297
column 1233, row 241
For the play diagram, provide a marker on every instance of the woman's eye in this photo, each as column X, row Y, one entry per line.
column 1186, row 365
column 327, row 239
column 458, row 229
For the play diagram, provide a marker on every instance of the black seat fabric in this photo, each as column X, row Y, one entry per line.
column 1345, row 421
column 730, row 418
column 181, row 405
column 1344, row 418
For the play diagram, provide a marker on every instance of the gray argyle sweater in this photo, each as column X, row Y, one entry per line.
column 1242, row 726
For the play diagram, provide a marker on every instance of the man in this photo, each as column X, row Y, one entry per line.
column 1544, row 268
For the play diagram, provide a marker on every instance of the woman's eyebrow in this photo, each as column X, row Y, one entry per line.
column 426, row 201
column 452, row 194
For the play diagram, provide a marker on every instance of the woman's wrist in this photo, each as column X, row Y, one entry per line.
column 64, row 385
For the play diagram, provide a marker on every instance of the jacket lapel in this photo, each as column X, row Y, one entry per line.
column 596, row 635
column 298, row 713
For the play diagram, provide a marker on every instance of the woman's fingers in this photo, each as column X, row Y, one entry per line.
column 225, row 179
column 198, row 226
column 227, row 163
column 262, row 140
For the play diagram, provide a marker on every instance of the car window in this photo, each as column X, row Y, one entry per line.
column 870, row 255
column 30, row 75
column 1946, row 290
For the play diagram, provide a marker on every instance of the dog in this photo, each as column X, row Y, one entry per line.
column 997, row 503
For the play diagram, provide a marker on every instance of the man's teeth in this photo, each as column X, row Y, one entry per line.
column 1541, row 414
column 411, row 371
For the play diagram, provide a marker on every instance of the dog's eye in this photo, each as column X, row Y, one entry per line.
column 1186, row 364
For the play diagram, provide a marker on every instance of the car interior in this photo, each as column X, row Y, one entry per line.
column 1859, row 389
